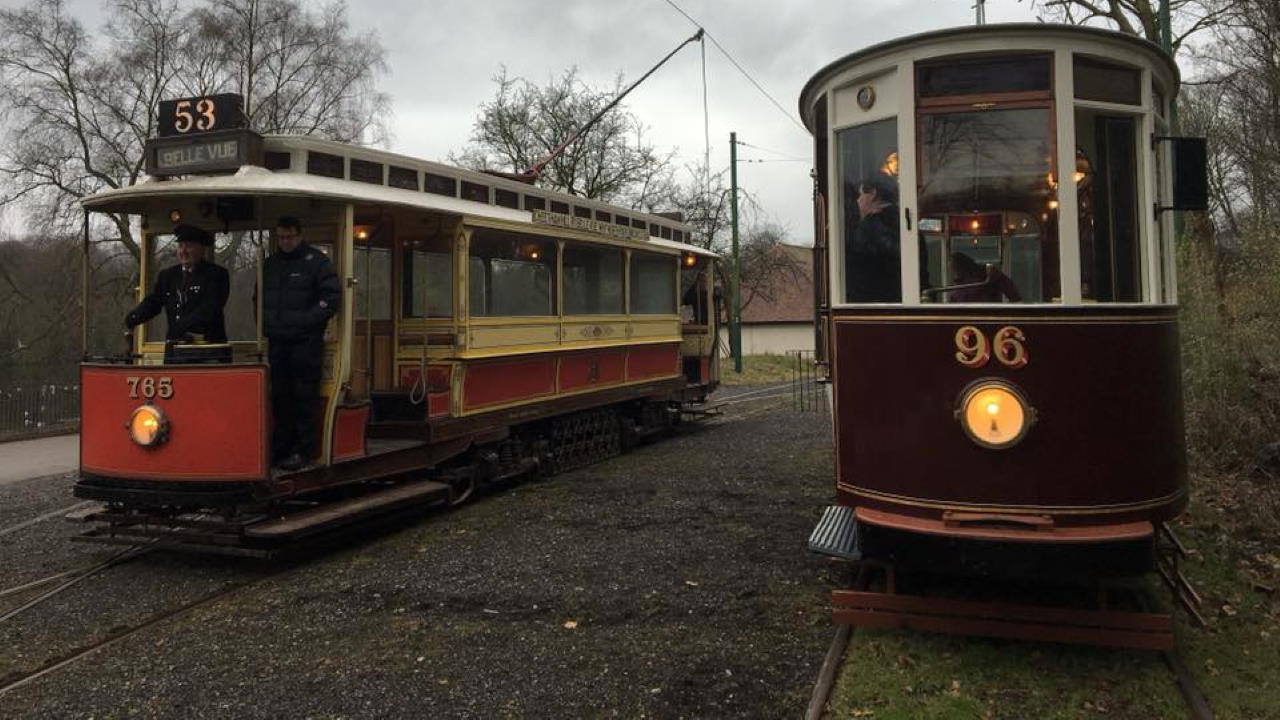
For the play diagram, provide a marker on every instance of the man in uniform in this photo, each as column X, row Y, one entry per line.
column 192, row 293
column 301, row 292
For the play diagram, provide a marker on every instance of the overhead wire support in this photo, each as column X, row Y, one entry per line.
column 536, row 169
column 735, row 63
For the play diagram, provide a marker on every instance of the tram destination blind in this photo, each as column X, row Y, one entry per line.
column 210, row 152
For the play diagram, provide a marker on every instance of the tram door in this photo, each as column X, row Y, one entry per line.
column 373, row 345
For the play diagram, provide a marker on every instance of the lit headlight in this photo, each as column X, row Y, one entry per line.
column 994, row 414
column 148, row 426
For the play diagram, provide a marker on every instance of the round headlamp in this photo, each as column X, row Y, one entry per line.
column 994, row 414
column 148, row 426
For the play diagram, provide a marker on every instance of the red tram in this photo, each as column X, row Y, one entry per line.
column 488, row 329
column 998, row 301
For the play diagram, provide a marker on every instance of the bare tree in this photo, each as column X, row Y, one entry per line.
column 1138, row 17
column 80, row 108
column 613, row 161
column 299, row 71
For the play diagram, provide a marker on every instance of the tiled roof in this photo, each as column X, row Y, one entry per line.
column 792, row 292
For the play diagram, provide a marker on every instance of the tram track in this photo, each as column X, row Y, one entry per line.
column 41, row 518
column 52, row 665
column 76, row 576
column 1197, row 703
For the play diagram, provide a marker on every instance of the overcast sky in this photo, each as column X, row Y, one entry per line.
column 443, row 54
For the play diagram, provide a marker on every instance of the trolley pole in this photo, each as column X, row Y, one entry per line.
column 735, row 295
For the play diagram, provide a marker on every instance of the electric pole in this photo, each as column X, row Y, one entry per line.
column 735, row 295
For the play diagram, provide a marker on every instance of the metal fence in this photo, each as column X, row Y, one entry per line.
column 39, row 410
column 807, row 383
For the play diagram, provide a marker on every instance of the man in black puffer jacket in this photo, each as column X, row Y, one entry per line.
column 301, row 293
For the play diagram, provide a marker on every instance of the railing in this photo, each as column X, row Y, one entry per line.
column 39, row 410
column 807, row 389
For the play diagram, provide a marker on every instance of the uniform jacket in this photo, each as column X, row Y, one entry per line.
column 302, row 293
column 192, row 301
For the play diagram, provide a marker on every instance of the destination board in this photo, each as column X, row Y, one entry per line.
column 209, row 152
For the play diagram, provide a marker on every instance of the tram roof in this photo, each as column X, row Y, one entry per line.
column 937, row 37
column 296, row 181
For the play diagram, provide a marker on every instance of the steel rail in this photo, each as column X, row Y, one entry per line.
column 155, row 619
column 46, row 516
column 1197, row 703
column 116, row 559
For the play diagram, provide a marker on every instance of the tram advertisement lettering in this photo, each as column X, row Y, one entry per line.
column 148, row 387
column 544, row 217
column 1008, row 346
column 189, row 116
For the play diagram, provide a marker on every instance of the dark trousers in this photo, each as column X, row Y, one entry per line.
column 295, row 393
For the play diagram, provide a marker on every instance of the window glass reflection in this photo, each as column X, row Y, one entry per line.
column 869, row 179
column 988, row 207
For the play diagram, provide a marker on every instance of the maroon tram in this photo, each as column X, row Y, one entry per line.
column 997, row 300
column 488, row 329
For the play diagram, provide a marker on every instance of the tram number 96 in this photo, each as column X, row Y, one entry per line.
column 1008, row 345
column 149, row 387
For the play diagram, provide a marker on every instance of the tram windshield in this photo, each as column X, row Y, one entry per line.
column 988, row 207
column 236, row 251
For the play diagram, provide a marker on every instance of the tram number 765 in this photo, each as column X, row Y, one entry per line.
column 150, row 387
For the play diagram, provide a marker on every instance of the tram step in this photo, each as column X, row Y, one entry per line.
column 348, row 511
column 836, row 534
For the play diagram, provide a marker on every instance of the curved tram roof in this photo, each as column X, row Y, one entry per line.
column 939, row 38
column 296, row 182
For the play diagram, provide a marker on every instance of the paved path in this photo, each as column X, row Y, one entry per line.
column 24, row 459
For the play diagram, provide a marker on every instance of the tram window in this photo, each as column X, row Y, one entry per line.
column 373, row 287
column 694, row 308
column 559, row 207
column 475, row 192
column 666, row 232
column 983, row 75
column 582, row 212
column 677, row 235
column 272, row 160
column 511, row 274
column 622, row 220
column 603, row 216
column 1107, row 200
column 427, row 279
column 533, row 202
column 238, row 253
column 653, row 284
column 366, row 172
column 506, row 198
column 638, row 223
column 592, row 280
column 987, row 198
column 868, row 161
column 403, row 178
column 439, row 184
column 1105, row 82
column 326, row 165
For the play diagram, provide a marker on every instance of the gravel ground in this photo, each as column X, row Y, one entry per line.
column 670, row 582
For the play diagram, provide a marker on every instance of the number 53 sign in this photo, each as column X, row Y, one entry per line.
column 191, row 116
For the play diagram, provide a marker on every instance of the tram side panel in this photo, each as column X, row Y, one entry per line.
column 1106, row 445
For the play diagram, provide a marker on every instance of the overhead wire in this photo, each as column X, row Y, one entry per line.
column 735, row 63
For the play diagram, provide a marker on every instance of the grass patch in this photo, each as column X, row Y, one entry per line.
column 758, row 370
